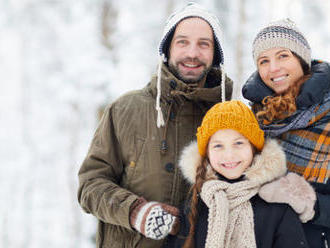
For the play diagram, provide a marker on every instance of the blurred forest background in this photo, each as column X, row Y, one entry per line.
column 62, row 61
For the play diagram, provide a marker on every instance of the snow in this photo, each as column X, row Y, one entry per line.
column 55, row 75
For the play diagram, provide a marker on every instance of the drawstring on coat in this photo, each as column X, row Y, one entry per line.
column 160, row 118
column 223, row 83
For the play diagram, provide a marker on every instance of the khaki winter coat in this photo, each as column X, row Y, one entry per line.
column 125, row 160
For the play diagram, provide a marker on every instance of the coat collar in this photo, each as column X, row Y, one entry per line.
column 268, row 165
column 174, row 88
column 312, row 91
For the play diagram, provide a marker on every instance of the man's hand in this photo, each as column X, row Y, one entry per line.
column 153, row 219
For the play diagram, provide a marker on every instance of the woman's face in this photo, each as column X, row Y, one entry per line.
column 229, row 153
column 279, row 69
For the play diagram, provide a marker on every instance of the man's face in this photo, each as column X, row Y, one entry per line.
column 191, row 50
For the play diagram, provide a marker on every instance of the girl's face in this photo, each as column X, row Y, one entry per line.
column 279, row 69
column 230, row 153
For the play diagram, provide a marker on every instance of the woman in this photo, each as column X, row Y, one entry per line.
column 290, row 97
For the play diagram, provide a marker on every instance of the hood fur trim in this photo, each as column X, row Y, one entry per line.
column 189, row 160
column 269, row 164
column 266, row 166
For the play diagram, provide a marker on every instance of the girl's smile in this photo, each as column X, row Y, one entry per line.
column 230, row 153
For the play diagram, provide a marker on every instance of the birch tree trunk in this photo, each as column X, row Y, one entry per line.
column 240, row 49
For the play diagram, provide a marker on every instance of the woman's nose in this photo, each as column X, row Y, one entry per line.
column 273, row 66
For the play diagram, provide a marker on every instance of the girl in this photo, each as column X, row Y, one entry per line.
column 226, row 166
column 290, row 96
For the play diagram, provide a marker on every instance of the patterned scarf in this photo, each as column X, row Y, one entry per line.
column 230, row 221
column 305, row 138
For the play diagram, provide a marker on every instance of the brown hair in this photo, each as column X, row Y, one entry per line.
column 195, row 190
column 280, row 106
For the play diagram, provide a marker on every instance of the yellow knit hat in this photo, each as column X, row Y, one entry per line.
column 229, row 115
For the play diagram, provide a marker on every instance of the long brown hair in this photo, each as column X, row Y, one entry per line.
column 195, row 191
column 278, row 107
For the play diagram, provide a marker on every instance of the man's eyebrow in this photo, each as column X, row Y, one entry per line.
column 180, row 36
column 208, row 39
column 184, row 36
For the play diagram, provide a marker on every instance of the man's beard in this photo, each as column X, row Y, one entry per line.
column 176, row 72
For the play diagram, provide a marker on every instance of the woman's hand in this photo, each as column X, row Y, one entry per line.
column 293, row 190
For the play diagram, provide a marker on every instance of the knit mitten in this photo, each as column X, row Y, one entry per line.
column 293, row 190
column 153, row 219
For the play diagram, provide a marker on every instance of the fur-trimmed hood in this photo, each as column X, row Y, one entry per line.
column 267, row 165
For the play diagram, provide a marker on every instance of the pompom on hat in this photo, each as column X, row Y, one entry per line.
column 282, row 33
column 229, row 115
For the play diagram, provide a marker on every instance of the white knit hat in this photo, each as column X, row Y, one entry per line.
column 282, row 33
column 190, row 10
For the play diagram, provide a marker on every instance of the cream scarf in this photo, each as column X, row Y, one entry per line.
column 230, row 221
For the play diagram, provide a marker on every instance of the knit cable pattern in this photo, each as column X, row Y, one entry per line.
column 230, row 221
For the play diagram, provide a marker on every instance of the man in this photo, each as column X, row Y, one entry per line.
column 129, row 179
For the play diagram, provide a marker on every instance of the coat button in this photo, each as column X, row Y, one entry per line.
column 173, row 84
column 132, row 164
column 169, row 167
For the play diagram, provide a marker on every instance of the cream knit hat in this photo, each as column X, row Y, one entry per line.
column 282, row 33
column 192, row 10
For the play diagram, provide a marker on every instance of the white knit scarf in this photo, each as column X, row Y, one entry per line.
column 230, row 221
